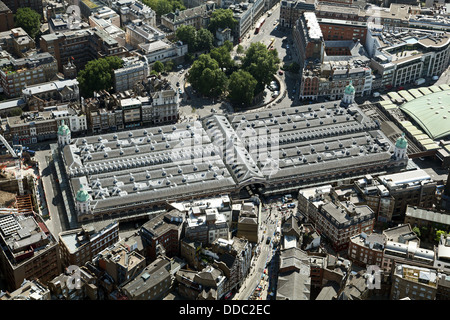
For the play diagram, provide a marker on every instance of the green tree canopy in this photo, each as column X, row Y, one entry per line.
column 222, row 56
column 158, row 66
column 221, row 19
column 169, row 65
column 196, row 40
column 15, row 112
column 229, row 45
column 204, row 40
column 293, row 67
column 98, row 75
column 261, row 63
column 206, row 77
column 29, row 20
column 438, row 235
column 241, row 87
column 188, row 35
column 162, row 7
column 416, row 230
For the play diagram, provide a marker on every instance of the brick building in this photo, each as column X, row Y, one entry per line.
column 162, row 234
column 6, row 17
column 365, row 250
column 16, row 74
column 291, row 11
column 81, row 46
column 79, row 246
column 28, row 250
column 337, row 221
column 335, row 29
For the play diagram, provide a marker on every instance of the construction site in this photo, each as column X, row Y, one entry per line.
column 18, row 181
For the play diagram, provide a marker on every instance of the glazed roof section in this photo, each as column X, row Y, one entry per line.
column 229, row 141
column 431, row 112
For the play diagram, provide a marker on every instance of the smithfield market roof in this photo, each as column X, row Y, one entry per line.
column 431, row 112
column 222, row 154
column 146, row 165
column 309, row 139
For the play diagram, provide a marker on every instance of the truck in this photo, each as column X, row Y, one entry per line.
column 419, row 81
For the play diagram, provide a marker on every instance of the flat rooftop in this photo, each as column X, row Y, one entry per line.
column 407, row 177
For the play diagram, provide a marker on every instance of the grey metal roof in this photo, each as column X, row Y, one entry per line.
column 146, row 165
column 221, row 154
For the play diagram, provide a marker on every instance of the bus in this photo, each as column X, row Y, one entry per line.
column 259, row 24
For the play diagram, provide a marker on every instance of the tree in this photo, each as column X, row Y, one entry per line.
column 188, row 35
column 416, row 230
column 241, row 87
column 212, row 82
column 29, row 20
column 221, row 19
column 240, row 49
column 163, row 7
column 169, row 65
column 114, row 62
column 229, row 45
column 98, row 75
column 15, row 112
column 294, row 67
column 261, row 63
column 204, row 40
column 223, row 57
column 158, row 66
column 206, row 77
column 438, row 235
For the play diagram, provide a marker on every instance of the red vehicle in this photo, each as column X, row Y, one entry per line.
column 280, row 73
column 259, row 24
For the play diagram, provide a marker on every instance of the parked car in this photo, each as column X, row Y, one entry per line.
column 275, row 94
column 280, row 73
column 273, row 87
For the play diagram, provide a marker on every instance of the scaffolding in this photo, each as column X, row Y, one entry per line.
column 16, row 153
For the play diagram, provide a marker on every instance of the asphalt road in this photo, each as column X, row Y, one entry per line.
column 271, row 217
column 265, row 255
column 51, row 192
